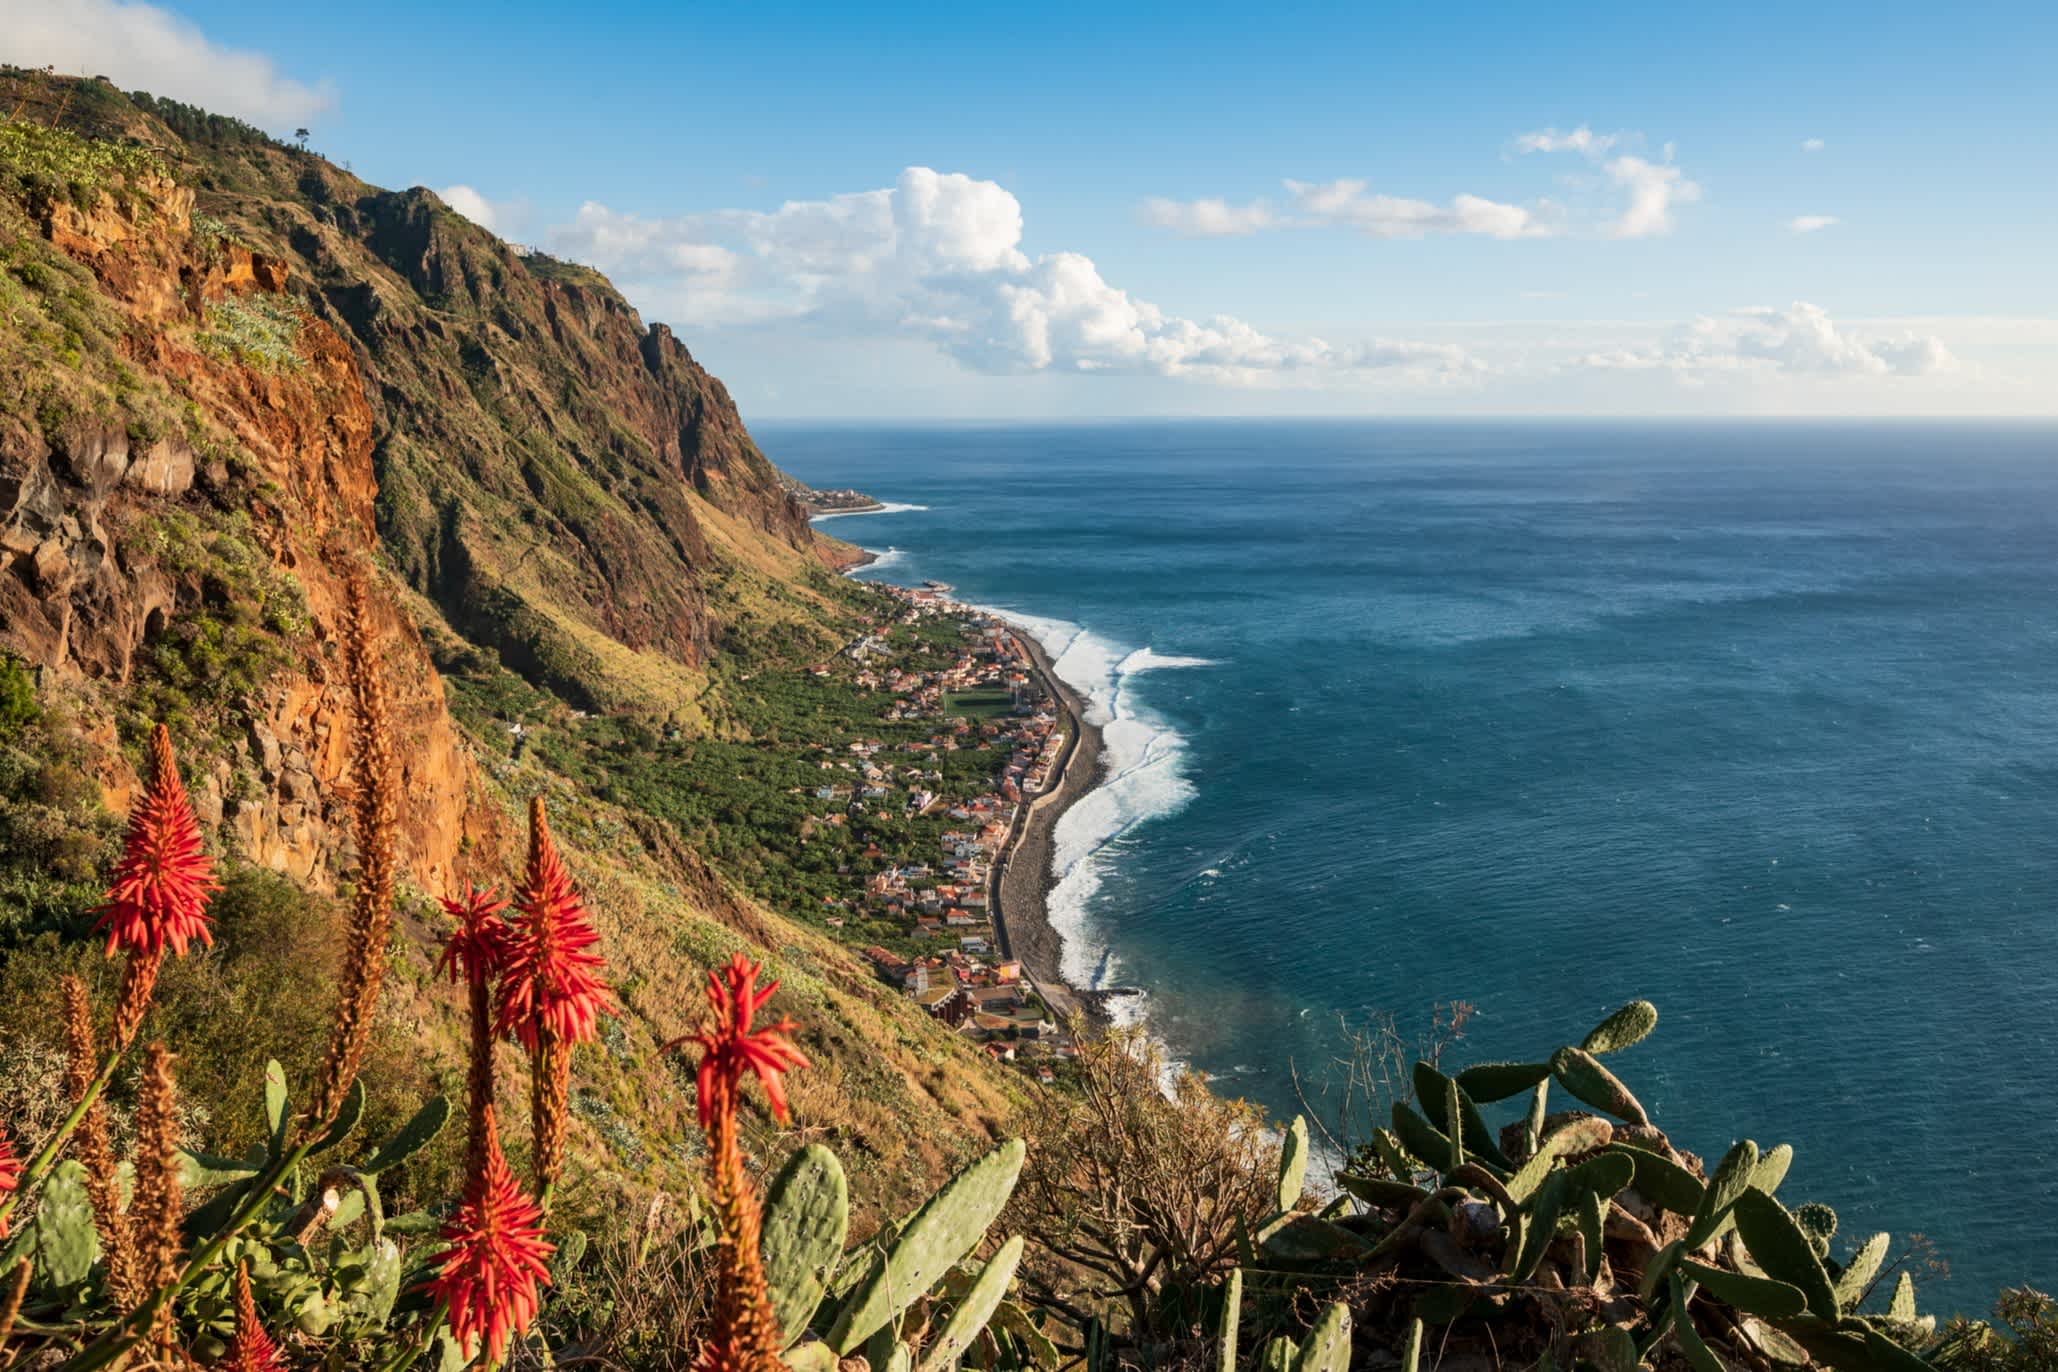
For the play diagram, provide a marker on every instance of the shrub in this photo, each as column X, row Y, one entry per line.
column 260, row 330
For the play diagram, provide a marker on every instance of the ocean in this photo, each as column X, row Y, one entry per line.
column 1758, row 721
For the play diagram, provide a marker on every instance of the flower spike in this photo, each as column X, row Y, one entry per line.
column 253, row 1350
column 497, row 1255
column 164, row 879
column 731, row 1046
column 479, row 943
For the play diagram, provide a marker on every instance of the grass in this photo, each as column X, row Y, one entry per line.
column 978, row 706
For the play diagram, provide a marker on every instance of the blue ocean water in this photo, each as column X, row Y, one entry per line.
column 1759, row 721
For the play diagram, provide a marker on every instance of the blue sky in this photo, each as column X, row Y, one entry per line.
column 1194, row 209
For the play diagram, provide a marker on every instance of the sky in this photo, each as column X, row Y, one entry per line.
column 993, row 212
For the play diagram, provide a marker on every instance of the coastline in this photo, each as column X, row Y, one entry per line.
column 1023, row 881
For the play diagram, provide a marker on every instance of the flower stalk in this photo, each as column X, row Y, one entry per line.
column 375, row 804
column 745, row 1334
column 551, row 995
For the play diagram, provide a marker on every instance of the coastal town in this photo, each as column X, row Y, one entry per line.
column 985, row 698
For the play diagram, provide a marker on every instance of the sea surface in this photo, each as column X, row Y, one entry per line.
column 1758, row 721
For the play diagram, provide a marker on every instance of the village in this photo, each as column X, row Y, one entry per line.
column 984, row 695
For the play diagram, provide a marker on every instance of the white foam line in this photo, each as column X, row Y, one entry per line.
column 1145, row 778
column 884, row 507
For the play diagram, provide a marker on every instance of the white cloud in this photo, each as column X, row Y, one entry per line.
column 1801, row 340
column 503, row 217
column 1812, row 223
column 1812, row 145
column 938, row 257
column 1214, row 218
column 1346, row 202
column 143, row 47
column 1581, row 140
column 1654, row 188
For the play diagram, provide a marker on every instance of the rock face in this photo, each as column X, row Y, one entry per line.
column 84, row 590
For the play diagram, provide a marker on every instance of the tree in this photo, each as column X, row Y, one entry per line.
column 1140, row 1189
column 300, row 137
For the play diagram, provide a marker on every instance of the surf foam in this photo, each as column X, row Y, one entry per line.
column 1145, row 778
column 885, row 507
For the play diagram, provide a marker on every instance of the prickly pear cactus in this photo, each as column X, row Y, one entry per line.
column 806, row 1216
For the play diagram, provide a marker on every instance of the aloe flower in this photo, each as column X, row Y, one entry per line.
column 744, row 1335
column 253, row 1349
column 730, row 1046
column 551, row 994
column 476, row 948
column 497, row 1256
column 163, row 881
column 549, row 984
column 10, row 1173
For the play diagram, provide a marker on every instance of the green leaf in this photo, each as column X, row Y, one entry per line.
column 199, row 1171
column 1293, row 1163
column 1861, row 1269
column 814, row 1356
column 1014, row 1321
column 1661, row 1181
column 1760, row 1296
column 806, row 1217
column 1627, row 1026
column 1232, row 1314
column 1574, row 1136
column 1327, row 1348
column 1772, row 1168
column 347, row 1117
column 1732, row 1178
column 67, row 1245
column 934, row 1238
column 411, row 1137
column 1581, row 1073
column 1696, row 1352
column 1778, row 1244
column 1421, row 1138
column 1492, row 1081
column 1903, row 1305
column 275, row 1105
column 974, row 1308
column 1411, row 1351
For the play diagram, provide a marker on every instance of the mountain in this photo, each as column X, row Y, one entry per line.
column 230, row 372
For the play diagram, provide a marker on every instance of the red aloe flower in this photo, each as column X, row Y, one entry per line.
column 10, row 1173
column 548, row 981
column 497, row 1255
column 253, row 1349
column 729, row 1047
column 163, row 881
column 479, row 944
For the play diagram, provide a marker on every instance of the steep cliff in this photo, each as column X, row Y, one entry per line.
column 230, row 373
column 176, row 508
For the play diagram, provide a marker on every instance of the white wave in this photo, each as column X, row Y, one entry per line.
column 1144, row 765
column 884, row 507
column 1144, row 660
column 885, row 557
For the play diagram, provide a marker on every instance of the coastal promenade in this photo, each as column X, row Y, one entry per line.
column 1022, row 879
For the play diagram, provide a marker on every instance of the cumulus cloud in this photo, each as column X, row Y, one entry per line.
column 503, row 217
column 1812, row 145
column 143, row 47
column 1581, row 140
column 1348, row 202
column 1214, row 218
column 1800, row 340
column 1811, row 223
column 938, row 256
column 1654, row 188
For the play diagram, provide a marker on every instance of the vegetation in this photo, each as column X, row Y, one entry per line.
column 260, row 330
column 38, row 163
